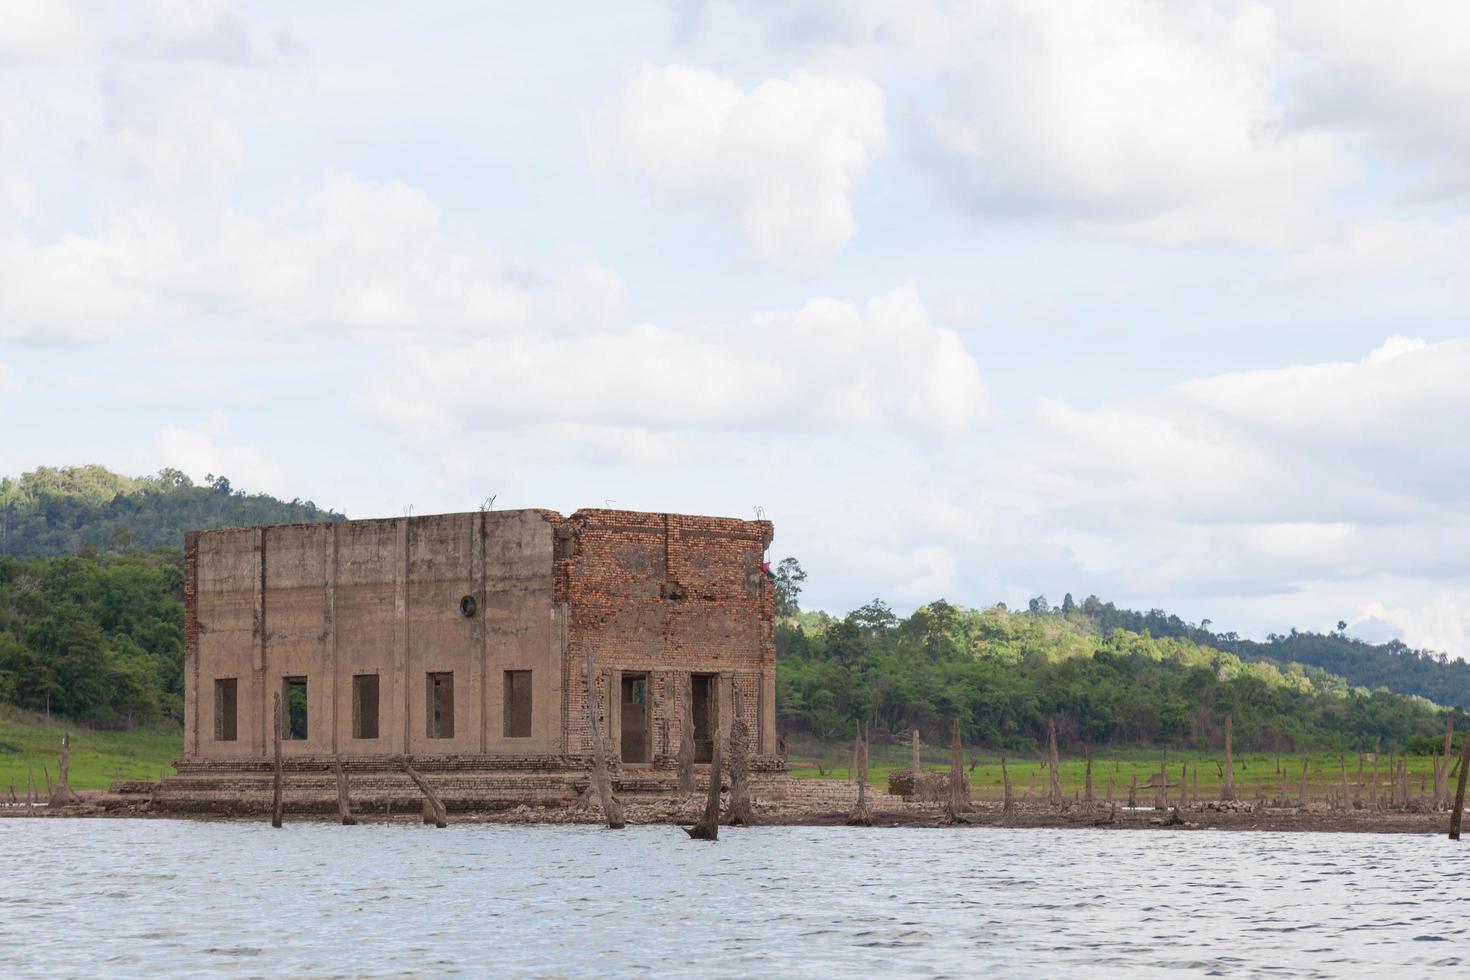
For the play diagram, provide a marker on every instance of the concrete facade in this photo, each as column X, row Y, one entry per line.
column 421, row 636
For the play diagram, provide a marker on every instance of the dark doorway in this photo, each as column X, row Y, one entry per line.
column 635, row 718
column 440, row 691
column 225, row 705
column 703, row 688
column 365, row 706
column 517, row 709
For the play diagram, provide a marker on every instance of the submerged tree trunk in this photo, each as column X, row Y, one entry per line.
column 740, row 812
column 708, row 827
column 1054, row 792
column 1459, row 810
column 344, row 801
column 1227, row 790
column 62, row 795
column 612, row 810
column 686, row 742
column 862, row 814
column 958, row 803
column 1442, row 787
column 436, row 812
column 277, row 804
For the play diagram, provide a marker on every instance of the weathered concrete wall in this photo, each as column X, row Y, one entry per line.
column 663, row 594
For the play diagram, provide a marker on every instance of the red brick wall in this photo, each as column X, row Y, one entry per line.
column 667, row 594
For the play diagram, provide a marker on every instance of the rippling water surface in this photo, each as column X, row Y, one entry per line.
column 175, row 897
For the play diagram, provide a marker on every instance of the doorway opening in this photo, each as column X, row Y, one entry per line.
column 702, row 686
column 635, row 718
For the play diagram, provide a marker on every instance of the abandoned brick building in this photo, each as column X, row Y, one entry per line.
column 461, row 640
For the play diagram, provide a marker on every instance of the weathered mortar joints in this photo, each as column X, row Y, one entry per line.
column 462, row 641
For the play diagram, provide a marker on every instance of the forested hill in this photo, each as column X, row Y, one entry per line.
column 1392, row 665
column 74, row 509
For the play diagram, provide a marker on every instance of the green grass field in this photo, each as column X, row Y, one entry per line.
column 97, row 758
column 1252, row 770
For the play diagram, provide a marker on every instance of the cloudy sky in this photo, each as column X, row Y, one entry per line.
column 1163, row 301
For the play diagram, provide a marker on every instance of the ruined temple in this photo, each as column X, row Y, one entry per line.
column 462, row 641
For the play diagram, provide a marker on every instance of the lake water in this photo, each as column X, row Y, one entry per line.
column 173, row 897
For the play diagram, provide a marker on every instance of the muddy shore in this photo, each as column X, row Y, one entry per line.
column 887, row 812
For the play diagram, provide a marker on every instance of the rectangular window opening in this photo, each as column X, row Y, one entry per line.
column 365, row 706
column 517, row 704
column 635, row 741
column 441, row 705
column 226, row 690
column 295, row 698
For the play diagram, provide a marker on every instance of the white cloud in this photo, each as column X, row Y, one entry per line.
column 780, row 160
column 1391, row 75
column 832, row 364
column 30, row 31
column 1158, row 121
column 354, row 257
column 204, row 449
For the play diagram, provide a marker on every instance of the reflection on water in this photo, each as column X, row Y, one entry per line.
column 174, row 897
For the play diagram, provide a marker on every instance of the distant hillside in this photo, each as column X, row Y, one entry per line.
column 72, row 509
column 1392, row 666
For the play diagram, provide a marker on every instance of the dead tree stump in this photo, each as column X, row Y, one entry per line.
column 1442, row 788
column 436, row 811
column 1005, row 778
column 344, row 802
column 740, row 812
column 862, row 813
column 1054, row 791
column 914, row 749
column 1133, row 791
column 708, row 827
column 62, row 795
column 277, row 803
column 1087, row 778
column 958, row 800
column 1227, row 789
column 612, row 810
column 686, row 742
column 1459, row 811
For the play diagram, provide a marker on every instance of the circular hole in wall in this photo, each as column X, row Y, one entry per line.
column 467, row 605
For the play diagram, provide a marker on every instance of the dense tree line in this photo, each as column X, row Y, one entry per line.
column 91, row 586
column 1393, row 665
column 1003, row 673
column 73, row 509
column 97, row 638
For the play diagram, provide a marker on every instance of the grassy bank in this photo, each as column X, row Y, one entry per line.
column 97, row 758
column 1255, row 772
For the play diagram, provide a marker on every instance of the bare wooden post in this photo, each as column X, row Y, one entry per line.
column 277, row 805
column 1194, row 785
column 344, row 802
column 1342, row 769
column 1305, row 760
column 1055, row 789
column 438, row 813
column 612, row 810
column 1005, row 778
column 1442, row 788
column 49, row 791
column 957, row 801
column 686, row 741
column 1161, row 788
column 740, row 812
column 914, row 748
column 1133, row 791
column 1459, row 811
column 1358, row 786
column 1284, row 799
column 1227, row 791
column 12, row 791
column 30, row 791
column 862, row 814
column 1183, row 785
column 1110, row 790
column 1087, row 777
